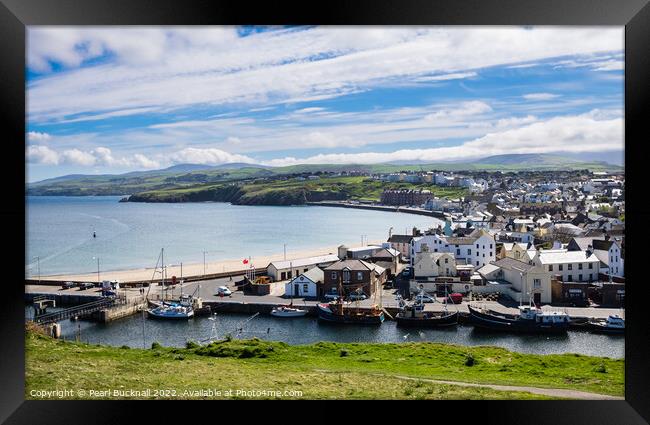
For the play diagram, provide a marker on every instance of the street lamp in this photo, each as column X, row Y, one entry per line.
column 98, row 281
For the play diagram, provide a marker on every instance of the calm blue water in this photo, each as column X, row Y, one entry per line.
column 130, row 235
column 306, row 330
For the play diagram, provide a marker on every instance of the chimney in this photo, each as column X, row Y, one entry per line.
column 589, row 251
column 606, row 237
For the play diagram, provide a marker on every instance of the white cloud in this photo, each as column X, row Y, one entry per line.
column 578, row 133
column 100, row 156
column 165, row 68
column 445, row 77
column 540, row 96
column 42, row 155
column 77, row 157
column 207, row 156
column 38, row 137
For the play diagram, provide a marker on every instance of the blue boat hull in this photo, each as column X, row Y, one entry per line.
column 496, row 323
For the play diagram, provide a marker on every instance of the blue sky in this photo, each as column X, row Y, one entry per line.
column 112, row 100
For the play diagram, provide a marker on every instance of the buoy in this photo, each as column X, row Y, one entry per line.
column 94, row 235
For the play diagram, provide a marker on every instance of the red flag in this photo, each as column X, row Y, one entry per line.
column 245, row 261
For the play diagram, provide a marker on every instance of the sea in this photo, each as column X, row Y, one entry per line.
column 59, row 231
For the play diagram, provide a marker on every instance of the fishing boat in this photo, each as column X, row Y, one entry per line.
column 336, row 312
column 614, row 324
column 413, row 315
column 530, row 319
column 288, row 311
column 171, row 310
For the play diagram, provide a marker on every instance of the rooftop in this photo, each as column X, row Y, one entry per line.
column 306, row 261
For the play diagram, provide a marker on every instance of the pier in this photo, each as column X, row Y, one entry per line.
column 390, row 208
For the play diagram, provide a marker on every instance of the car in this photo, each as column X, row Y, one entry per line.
column 86, row 285
column 357, row 297
column 331, row 295
column 224, row 291
column 425, row 298
column 68, row 285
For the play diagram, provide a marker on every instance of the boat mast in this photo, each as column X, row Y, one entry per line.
column 162, row 272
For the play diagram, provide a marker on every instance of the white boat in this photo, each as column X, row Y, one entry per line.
column 166, row 309
column 613, row 324
column 286, row 311
column 171, row 311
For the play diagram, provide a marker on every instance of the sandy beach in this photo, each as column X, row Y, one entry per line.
column 196, row 269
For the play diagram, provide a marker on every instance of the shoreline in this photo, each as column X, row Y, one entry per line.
column 196, row 269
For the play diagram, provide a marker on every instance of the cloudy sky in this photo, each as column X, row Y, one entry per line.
column 118, row 99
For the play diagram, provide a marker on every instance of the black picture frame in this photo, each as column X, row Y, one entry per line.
column 15, row 15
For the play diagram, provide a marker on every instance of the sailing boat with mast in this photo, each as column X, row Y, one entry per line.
column 166, row 309
column 336, row 312
column 288, row 310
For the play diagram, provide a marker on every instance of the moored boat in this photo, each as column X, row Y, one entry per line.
column 171, row 311
column 335, row 312
column 614, row 324
column 531, row 319
column 288, row 311
column 413, row 315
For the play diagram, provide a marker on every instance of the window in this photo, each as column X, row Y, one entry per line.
column 477, row 263
column 476, row 246
column 283, row 275
column 334, row 276
column 446, row 260
column 580, row 266
column 483, row 246
column 458, row 251
column 346, row 275
column 550, row 267
column 570, row 266
column 435, row 250
column 305, row 270
column 617, row 259
column 570, row 278
column 469, row 252
column 305, row 287
column 591, row 277
column 591, row 265
column 483, row 255
column 490, row 246
column 537, row 283
column 490, row 253
column 580, row 277
column 359, row 275
column 289, row 274
column 561, row 267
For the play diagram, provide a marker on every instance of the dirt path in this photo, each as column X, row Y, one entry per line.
column 552, row 392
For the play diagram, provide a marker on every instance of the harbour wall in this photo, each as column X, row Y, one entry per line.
column 435, row 214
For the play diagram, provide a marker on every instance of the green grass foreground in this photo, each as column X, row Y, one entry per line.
column 325, row 370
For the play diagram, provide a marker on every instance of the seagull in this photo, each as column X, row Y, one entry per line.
column 406, row 336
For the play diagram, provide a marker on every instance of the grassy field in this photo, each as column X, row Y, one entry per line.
column 324, row 370
column 293, row 191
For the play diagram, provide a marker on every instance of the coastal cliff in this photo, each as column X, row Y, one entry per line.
column 240, row 195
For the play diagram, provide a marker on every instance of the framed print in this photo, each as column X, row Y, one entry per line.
column 361, row 201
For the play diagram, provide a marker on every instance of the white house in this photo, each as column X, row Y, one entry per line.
column 527, row 280
column 305, row 285
column 287, row 269
column 434, row 264
column 607, row 250
column 477, row 249
column 572, row 266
